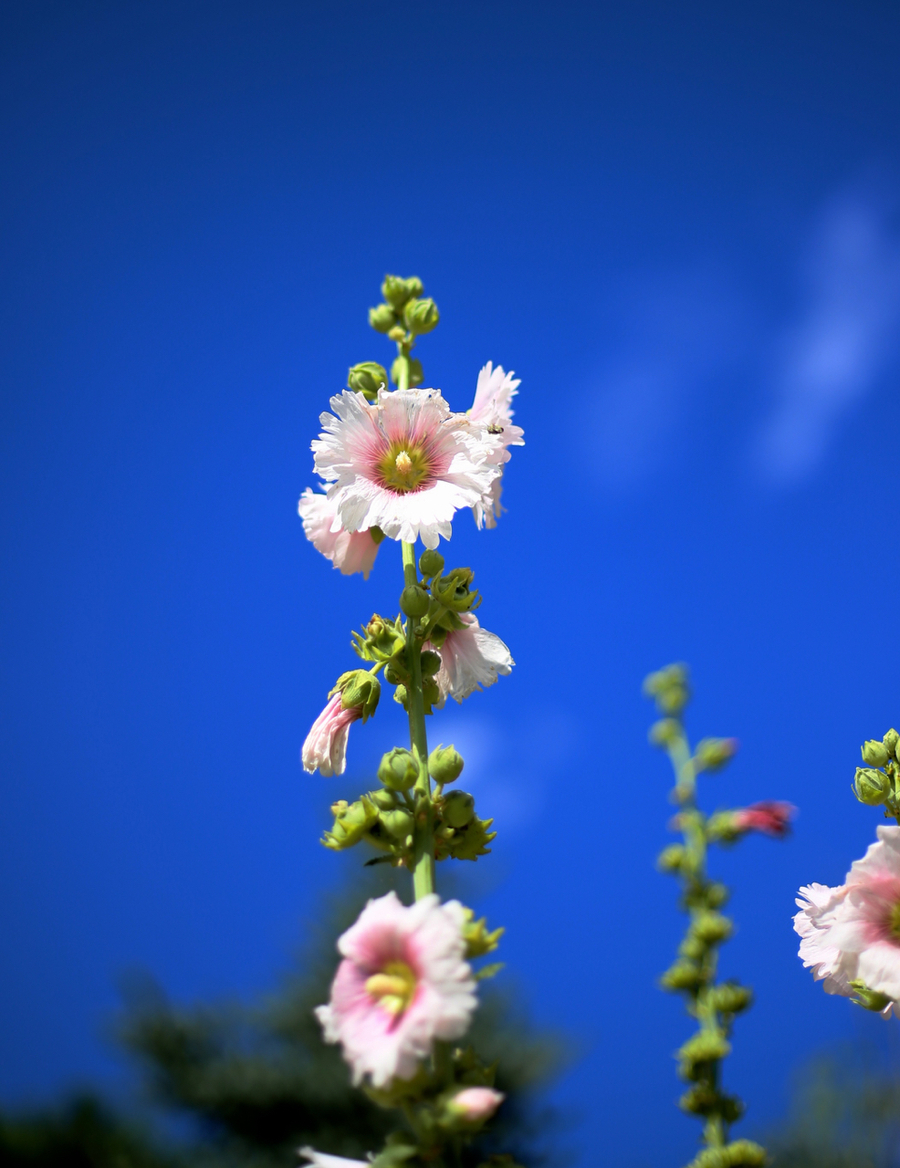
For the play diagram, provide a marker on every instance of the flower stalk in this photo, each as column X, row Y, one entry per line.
column 423, row 847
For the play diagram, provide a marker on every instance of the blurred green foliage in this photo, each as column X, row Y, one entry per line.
column 249, row 1084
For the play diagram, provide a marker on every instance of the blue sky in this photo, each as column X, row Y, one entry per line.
column 679, row 225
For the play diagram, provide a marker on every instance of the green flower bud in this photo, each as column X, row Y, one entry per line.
column 692, row 948
column 890, row 740
column 401, row 697
column 367, row 378
column 383, row 799
column 716, row 895
column 359, row 690
column 397, row 291
column 729, row 997
column 395, row 673
column 431, row 662
column 382, row 318
column 714, row 753
column 704, row 1047
column 874, row 753
column 669, row 686
column 711, row 927
column 414, row 600
column 431, row 563
column 670, row 859
column 351, row 822
column 398, row 769
column 397, row 333
column 458, row 808
column 445, row 764
column 415, row 374
column 683, row 975
column 871, row 786
column 398, row 824
column 665, row 732
column 421, row 316
column 868, row 999
column 701, row 1099
column 478, row 938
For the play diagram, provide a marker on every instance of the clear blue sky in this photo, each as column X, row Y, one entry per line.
column 679, row 224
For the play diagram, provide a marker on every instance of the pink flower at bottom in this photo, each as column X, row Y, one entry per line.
column 476, row 1104
column 770, row 817
column 404, row 982
column 852, row 933
column 349, row 551
column 325, row 747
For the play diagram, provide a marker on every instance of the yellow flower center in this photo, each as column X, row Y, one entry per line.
column 894, row 922
column 393, row 988
column 403, row 466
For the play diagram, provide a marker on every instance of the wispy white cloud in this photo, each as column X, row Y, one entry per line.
column 842, row 342
column 677, row 331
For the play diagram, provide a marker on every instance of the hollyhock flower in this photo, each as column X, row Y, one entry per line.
column 771, row 817
column 470, row 658
column 323, row 1160
column 325, row 747
column 404, row 982
column 492, row 412
column 350, row 551
column 476, row 1104
column 851, row 934
column 405, row 463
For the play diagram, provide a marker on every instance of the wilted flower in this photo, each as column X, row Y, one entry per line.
column 771, row 817
column 403, row 983
column 325, row 747
column 350, row 551
column 405, row 464
column 492, row 412
column 470, row 658
column 476, row 1104
column 851, row 934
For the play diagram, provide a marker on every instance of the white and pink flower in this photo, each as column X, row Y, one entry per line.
column 471, row 658
column 404, row 464
column 349, row 551
column 403, row 983
column 852, row 933
column 325, row 748
column 491, row 413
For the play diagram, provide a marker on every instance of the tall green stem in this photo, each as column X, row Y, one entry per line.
column 423, row 852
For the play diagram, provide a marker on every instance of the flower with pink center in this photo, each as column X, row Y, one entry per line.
column 325, row 748
column 323, row 1160
column 404, row 464
column 350, row 551
column 403, row 983
column 850, row 935
column 771, row 817
column 470, row 658
column 492, row 413
column 476, row 1104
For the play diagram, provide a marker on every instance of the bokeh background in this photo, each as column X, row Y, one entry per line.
column 679, row 224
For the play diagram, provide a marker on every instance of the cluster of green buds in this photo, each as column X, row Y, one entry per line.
column 403, row 315
column 713, row 1004
column 878, row 782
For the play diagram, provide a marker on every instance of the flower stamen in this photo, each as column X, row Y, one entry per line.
column 393, row 988
column 404, row 467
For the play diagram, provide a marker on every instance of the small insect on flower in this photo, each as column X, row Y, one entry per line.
column 403, row 983
column 492, row 413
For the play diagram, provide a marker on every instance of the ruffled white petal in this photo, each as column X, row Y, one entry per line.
column 471, row 658
column 349, row 551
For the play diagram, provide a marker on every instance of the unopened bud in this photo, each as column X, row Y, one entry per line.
column 871, row 786
column 711, row 927
column 672, row 858
column 445, row 764
column 367, row 378
column 713, row 753
column 683, row 975
column 414, row 376
column 431, row 662
column 729, row 997
column 475, row 1104
column 421, row 316
column 458, row 809
column 398, row 824
column 869, row 999
column 669, row 686
column 397, row 291
column 890, row 740
column 414, row 600
column 431, row 563
column 452, row 590
column 382, row 318
column 664, row 732
column 874, row 753
column 398, row 769
column 397, row 333
column 351, row 822
column 383, row 799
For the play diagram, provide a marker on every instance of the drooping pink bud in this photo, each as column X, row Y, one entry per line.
column 771, row 817
column 477, row 1104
